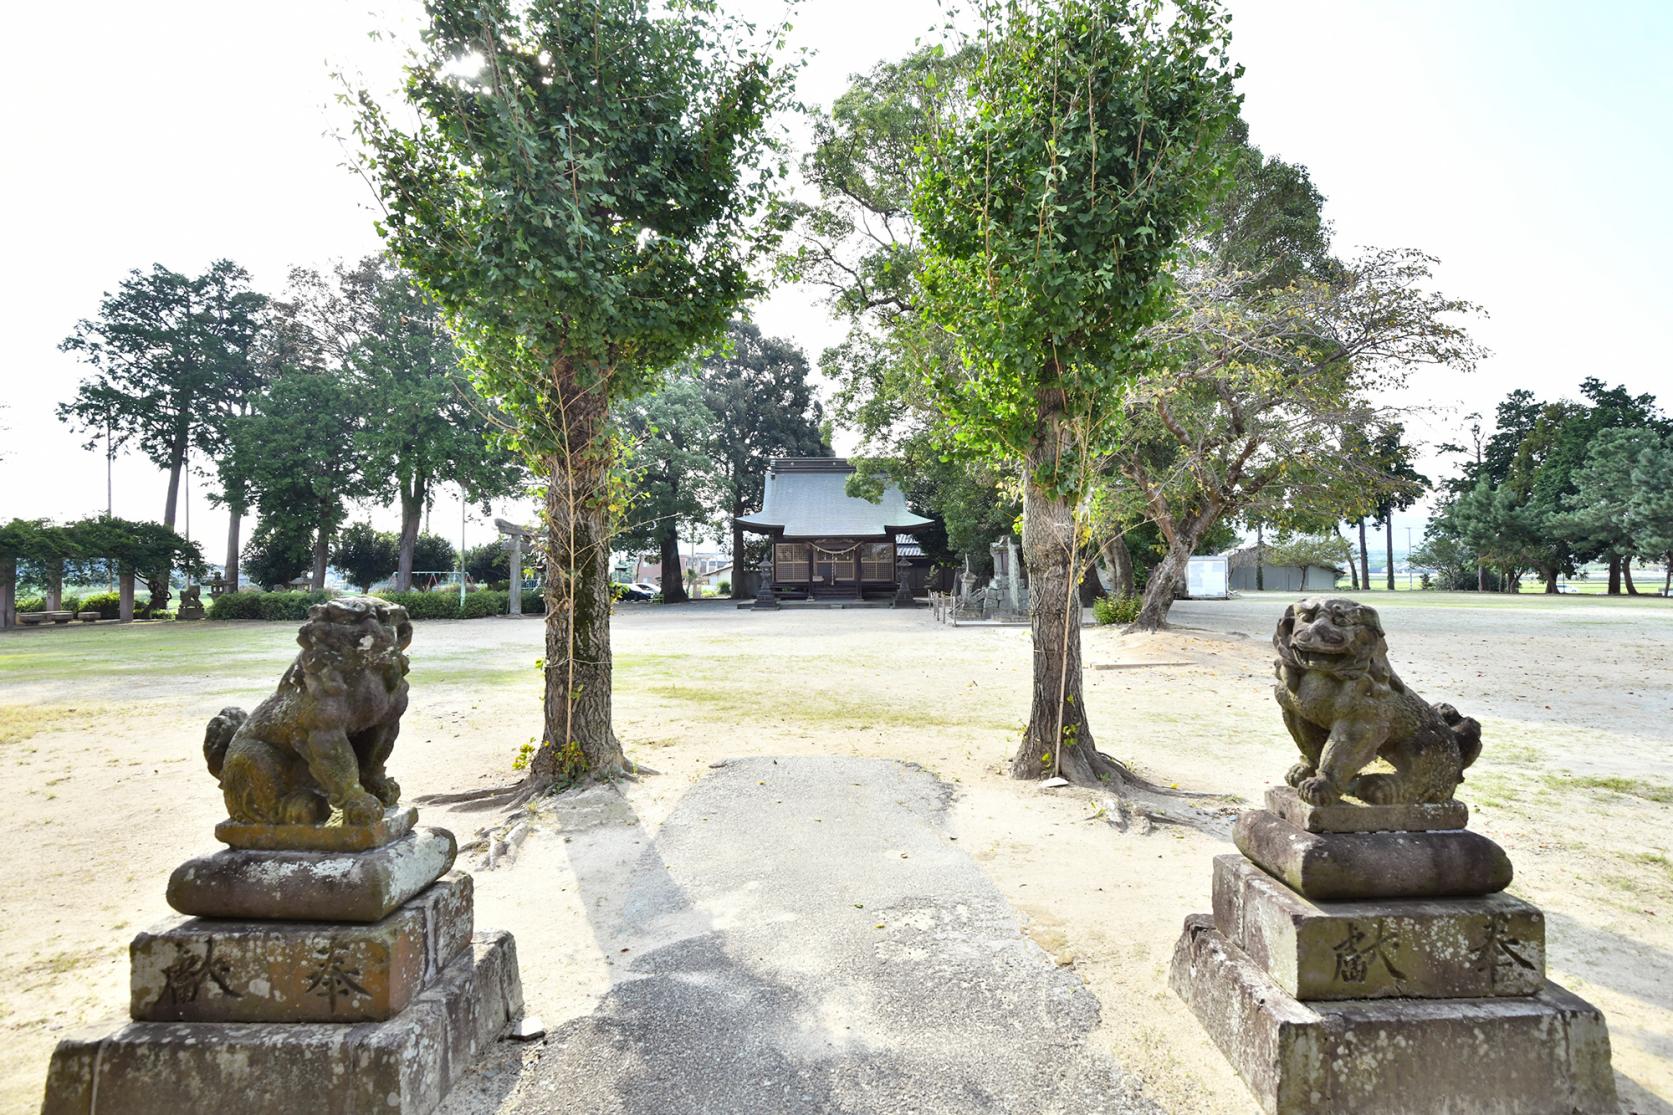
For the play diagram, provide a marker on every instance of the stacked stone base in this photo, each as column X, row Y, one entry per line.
column 1384, row 1005
column 346, row 977
column 403, row 1065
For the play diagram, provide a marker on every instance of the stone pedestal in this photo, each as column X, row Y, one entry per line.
column 323, row 969
column 1361, row 959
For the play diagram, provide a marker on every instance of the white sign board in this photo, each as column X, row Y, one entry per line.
column 1206, row 578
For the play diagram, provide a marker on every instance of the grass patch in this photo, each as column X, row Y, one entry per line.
column 1658, row 792
column 21, row 722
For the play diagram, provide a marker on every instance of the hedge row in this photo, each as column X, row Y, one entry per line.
column 294, row 606
column 107, row 604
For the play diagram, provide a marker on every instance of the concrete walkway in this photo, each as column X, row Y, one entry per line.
column 808, row 939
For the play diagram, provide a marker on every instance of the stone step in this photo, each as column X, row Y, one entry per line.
column 311, row 886
column 1334, row 867
column 403, row 1066
column 1538, row 1054
column 217, row 970
column 1390, row 948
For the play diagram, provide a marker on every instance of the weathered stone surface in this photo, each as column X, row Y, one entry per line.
column 395, row 823
column 322, row 740
column 1351, row 817
column 1346, row 866
column 312, row 886
column 1543, row 1054
column 1345, row 707
column 216, row 970
column 403, row 1066
column 1416, row 948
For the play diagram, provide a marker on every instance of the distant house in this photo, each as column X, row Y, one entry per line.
column 1278, row 578
column 827, row 543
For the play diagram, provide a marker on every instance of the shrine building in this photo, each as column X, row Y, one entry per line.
column 828, row 544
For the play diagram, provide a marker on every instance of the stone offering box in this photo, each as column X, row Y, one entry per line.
column 1362, row 959
column 320, row 969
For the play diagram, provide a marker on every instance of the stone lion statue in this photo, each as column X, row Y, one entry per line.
column 1345, row 707
column 322, row 739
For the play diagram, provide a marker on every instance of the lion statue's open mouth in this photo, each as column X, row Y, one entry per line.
column 1345, row 706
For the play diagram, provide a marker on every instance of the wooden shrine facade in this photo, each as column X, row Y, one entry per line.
column 827, row 544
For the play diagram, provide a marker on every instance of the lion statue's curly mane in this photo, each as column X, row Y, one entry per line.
column 322, row 739
column 1345, row 706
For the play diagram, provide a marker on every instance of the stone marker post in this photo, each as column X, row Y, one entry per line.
column 1362, row 959
column 765, row 598
column 515, row 545
column 125, row 596
column 903, row 585
column 320, row 967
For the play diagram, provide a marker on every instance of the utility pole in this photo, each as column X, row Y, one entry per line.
column 462, row 506
column 110, row 484
column 1408, row 557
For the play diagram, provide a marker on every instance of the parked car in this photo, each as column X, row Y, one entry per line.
column 638, row 590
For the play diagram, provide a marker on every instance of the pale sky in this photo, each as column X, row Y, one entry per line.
column 1524, row 143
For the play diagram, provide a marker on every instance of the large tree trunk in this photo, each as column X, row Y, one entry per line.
column 235, row 523
column 322, row 556
column 176, row 465
column 1058, row 739
column 1353, row 566
column 673, row 578
column 1626, row 576
column 1550, row 580
column 54, row 586
column 1388, row 527
column 1614, row 576
column 578, row 739
column 737, row 553
column 412, row 516
column 1120, row 562
column 1164, row 583
column 8, row 592
column 1091, row 585
column 1364, row 557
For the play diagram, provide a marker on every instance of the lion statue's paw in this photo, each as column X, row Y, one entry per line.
column 1300, row 773
column 1317, row 790
column 362, row 809
column 384, row 788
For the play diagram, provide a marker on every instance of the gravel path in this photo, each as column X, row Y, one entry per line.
column 803, row 936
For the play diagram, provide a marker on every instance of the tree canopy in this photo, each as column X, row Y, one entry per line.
column 585, row 203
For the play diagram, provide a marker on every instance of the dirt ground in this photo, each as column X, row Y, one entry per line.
column 100, row 734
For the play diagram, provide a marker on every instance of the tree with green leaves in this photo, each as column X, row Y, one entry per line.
column 173, row 361
column 433, row 428
column 1050, row 210
column 365, row 554
column 1649, row 509
column 585, row 206
column 1259, row 401
column 757, row 390
column 1598, row 517
column 673, row 473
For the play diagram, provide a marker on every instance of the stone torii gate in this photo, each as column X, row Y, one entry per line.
column 514, row 536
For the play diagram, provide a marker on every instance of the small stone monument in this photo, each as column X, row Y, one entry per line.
column 903, row 586
column 765, row 598
column 328, row 959
column 191, row 604
column 1362, row 957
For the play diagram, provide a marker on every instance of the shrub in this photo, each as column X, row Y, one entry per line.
column 31, row 604
column 723, row 588
column 107, row 604
column 291, row 606
column 1115, row 609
